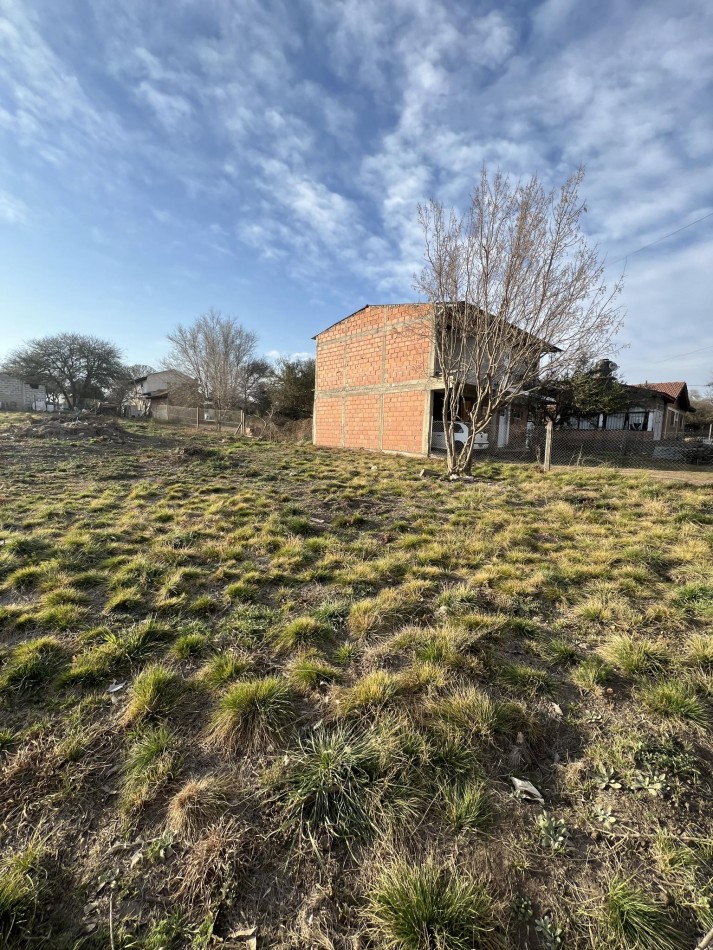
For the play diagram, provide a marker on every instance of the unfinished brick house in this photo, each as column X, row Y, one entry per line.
column 378, row 387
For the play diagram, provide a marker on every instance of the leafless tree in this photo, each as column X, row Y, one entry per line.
column 214, row 350
column 517, row 295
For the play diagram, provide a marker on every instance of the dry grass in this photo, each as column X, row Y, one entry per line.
column 263, row 685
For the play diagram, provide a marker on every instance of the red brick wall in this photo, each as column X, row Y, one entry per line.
column 361, row 421
column 407, row 353
column 328, row 420
column 360, row 361
column 403, row 421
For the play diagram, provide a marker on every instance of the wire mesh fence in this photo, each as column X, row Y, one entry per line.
column 623, row 448
column 199, row 416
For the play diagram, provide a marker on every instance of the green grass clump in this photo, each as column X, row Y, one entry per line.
column 590, row 673
column 635, row 920
column 635, row 657
column 61, row 617
column 253, row 713
column 309, row 670
column 370, row 693
column 329, row 784
column 700, row 650
column 559, row 652
column 696, row 599
column 154, row 692
column 302, row 631
column 472, row 713
column 391, row 606
column 430, row 906
column 189, row 645
column 224, row 668
column 20, row 891
column 152, row 762
column 467, row 807
column 24, row 578
column 673, row 699
column 32, row 663
column 523, row 678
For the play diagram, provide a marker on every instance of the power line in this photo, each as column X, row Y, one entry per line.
column 669, row 359
column 658, row 240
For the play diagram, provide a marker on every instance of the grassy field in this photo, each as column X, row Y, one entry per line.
column 276, row 696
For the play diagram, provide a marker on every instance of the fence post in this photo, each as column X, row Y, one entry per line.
column 548, row 445
column 198, row 423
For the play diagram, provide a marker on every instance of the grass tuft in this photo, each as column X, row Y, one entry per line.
column 430, row 906
column 467, row 808
column 151, row 763
column 198, row 802
column 329, row 784
column 155, row 692
column 676, row 700
column 224, row 668
column 635, row 657
column 637, row 921
column 32, row 663
column 20, row 889
column 300, row 632
column 252, row 714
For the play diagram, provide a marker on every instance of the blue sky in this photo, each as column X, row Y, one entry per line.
column 265, row 157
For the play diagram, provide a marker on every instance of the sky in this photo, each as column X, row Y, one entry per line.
column 266, row 157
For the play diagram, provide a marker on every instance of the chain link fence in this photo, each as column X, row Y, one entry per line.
column 624, row 448
column 200, row 416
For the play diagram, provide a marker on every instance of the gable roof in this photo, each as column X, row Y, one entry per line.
column 547, row 347
column 376, row 306
column 672, row 391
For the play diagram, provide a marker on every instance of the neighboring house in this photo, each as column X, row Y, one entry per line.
column 16, row 394
column 378, row 385
column 659, row 409
column 160, row 388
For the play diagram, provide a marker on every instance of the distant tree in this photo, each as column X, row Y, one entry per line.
column 72, row 365
column 510, row 282
column 215, row 351
column 703, row 404
column 122, row 387
column 292, row 387
column 256, row 377
column 591, row 388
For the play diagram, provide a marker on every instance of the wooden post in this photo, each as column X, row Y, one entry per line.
column 548, row 445
column 198, row 418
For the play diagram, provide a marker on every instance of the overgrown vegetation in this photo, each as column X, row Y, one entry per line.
column 273, row 687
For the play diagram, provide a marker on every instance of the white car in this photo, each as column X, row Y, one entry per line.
column 460, row 433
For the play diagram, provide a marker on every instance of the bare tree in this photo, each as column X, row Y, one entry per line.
column 215, row 351
column 512, row 282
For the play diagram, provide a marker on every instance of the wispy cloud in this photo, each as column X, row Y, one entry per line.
column 301, row 136
column 12, row 210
